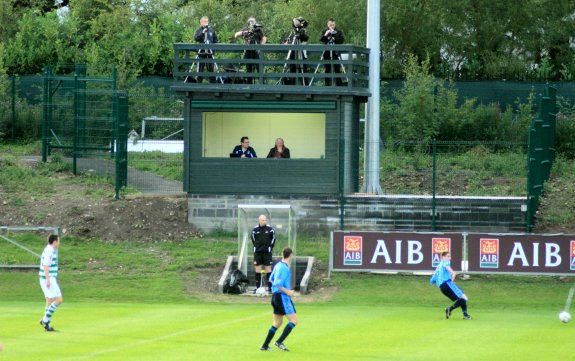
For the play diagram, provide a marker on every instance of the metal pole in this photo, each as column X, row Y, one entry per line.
column 13, row 107
column 341, row 191
column 46, row 112
column 76, row 117
column 371, row 172
column 434, row 170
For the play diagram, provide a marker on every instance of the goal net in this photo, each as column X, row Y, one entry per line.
column 281, row 217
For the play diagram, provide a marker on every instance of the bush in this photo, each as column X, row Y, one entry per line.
column 565, row 128
column 427, row 108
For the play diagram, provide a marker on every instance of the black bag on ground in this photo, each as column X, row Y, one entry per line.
column 235, row 282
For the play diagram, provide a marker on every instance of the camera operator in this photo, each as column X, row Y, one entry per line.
column 330, row 36
column 205, row 34
column 297, row 36
column 253, row 34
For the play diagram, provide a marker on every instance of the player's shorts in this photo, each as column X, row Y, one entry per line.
column 53, row 291
column 282, row 304
column 450, row 289
column 263, row 258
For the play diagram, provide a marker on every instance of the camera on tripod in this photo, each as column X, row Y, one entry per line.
column 253, row 26
column 331, row 37
column 299, row 24
column 251, row 32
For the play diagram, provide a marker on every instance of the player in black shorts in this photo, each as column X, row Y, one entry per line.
column 263, row 240
column 282, row 303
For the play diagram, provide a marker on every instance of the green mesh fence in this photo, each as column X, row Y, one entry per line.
column 155, row 115
column 504, row 93
column 155, row 141
column 490, row 169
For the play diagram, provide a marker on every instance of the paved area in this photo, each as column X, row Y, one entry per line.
column 145, row 182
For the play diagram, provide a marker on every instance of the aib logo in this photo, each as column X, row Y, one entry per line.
column 488, row 253
column 572, row 256
column 352, row 250
column 438, row 246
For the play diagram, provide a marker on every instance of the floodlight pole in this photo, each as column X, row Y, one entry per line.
column 371, row 140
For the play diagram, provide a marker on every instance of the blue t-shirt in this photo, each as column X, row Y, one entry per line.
column 441, row 273
column 280, row 277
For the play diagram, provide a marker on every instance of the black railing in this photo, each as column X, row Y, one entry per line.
column 281, row 68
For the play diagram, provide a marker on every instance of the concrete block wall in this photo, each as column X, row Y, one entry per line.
column 414, row 213
column 321, row 215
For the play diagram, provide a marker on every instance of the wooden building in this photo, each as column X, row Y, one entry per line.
column 289, row 96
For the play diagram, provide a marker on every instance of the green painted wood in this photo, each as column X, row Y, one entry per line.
column 259, row 105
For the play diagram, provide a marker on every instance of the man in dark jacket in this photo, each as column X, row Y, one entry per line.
column 331, row 36
column 205, row 34
column 263, row 240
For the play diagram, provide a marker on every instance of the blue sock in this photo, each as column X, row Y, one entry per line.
column 286, row 332
column 271, row 333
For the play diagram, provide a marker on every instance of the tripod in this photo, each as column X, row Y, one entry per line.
column 337, row 68
column 251, row 54
column 200, row 65
column 296, row 67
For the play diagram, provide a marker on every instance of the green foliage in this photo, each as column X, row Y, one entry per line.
column 462, row 169
column 417, row 103
column 565, row 128
column 428, row 108
column 558, row 200
column 460, row 39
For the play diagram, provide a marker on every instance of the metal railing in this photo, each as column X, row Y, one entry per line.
column 283, row 68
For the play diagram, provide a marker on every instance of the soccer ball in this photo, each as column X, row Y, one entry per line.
column 261, row 291
column 565, row 316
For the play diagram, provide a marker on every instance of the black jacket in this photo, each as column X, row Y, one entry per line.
column 336, row 36
column 263, row 238
column 284, row 154
column 208, row 36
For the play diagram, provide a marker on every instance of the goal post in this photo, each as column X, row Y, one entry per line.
column 13, row 258
column 281, row 217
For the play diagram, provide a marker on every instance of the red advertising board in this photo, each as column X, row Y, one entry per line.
column 395, row 252
column 525, row 253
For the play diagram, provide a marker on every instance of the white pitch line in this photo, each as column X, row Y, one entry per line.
column 569, row 299
column 164, row 337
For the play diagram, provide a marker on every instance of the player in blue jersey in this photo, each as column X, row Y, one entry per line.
column 444, row 278
column 281, row 301
column 49, row 280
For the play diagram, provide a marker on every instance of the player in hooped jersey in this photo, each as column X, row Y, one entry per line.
column 49, row 280
column 281, row 301
column 444, row 278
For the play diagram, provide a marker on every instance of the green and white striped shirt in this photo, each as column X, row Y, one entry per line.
column 49, row 258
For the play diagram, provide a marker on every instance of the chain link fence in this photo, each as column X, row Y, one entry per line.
column 156, row 141
column 490, row 169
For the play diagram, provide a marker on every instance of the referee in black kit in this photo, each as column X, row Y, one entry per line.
column 263, row 239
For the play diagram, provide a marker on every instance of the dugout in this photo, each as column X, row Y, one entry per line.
column 318, row 120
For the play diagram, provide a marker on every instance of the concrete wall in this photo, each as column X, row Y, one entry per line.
column 321, row 215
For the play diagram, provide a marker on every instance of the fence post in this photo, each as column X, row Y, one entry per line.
column 342, row 190
column 433, row 176
column 13, row 107
column 46, row 117
column 121, row 104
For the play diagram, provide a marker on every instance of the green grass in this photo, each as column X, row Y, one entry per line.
column 128, row 301
column 169, row 166
column 208, row 331
column 470, row 172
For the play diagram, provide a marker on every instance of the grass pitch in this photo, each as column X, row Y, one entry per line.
column 128, row 301
column 201, row 331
